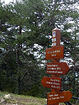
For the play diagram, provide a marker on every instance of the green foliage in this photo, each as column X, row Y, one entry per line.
column 24, row 24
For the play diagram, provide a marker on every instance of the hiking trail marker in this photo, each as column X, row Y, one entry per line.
column 52, row 82
column 59, row 68
column 55, row 52
column 54, row 97
column 56, row 69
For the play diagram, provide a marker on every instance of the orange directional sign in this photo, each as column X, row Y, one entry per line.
column 54, row 97
column 55, row 52
column 52, row 82
column 56, row 37
column 58, row 68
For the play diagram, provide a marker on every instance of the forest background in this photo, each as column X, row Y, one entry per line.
column 25, row 33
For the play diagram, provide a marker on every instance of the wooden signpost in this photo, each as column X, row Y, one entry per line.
column 56, row 69
column 52, row 82
column 55, row 52
column 54, row 97
column 56, row 36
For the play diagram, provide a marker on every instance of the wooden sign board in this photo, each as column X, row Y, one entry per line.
column 58, row 68
column 56, row 37
column 55, row 52
column 54, row 97
column 52, row 82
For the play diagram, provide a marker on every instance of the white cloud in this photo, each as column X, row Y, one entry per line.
column 7, row 1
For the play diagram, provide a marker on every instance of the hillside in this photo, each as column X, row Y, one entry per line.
column 13, row 99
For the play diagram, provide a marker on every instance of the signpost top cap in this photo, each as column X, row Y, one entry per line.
column 56, row 29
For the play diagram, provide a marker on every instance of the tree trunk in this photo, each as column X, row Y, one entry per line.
column 19, row 46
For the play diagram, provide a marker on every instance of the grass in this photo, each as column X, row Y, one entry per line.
column 22, row 100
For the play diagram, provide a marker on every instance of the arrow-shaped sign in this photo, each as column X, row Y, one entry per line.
column 52, row 82
column 54, row 97
column 58, row 68
column 55, row 52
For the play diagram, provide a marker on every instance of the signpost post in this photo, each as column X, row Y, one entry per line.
column 56, row 69
column 56, row 37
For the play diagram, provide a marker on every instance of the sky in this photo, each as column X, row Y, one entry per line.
column 7, row 1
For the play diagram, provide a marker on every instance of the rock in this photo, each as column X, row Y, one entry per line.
column 2, row 100
column 7, row 96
